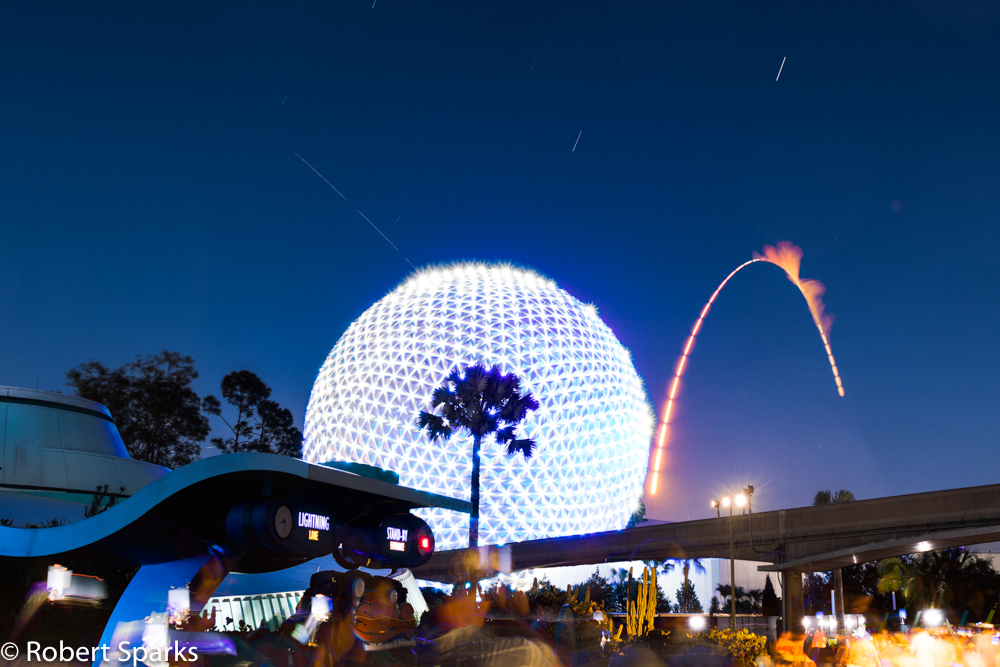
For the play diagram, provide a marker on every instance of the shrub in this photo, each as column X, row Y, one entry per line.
column 743, row 646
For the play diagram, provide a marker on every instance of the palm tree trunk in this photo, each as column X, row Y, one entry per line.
column 474, row 517
column 838, row 598
column 687, row 603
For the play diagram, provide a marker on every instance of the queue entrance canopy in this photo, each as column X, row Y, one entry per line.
column 242, row 513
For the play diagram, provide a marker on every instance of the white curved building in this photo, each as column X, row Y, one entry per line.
column 593, row 427
column 55, row 451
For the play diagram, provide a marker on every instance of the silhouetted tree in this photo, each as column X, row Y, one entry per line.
column 600, row 587
column 947, row 579
column 665, row 566
column 770, row 605
column 638, row 516
column 260, row 424
column 829, row 498
column 686, row 565
column 816, row 592
column 687, row 599
column 619, row 592
column 861, row 588
column 481, row 402
column 151, row 401
column 101, row 501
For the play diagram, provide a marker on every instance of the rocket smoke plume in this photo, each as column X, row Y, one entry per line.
column 788, row 257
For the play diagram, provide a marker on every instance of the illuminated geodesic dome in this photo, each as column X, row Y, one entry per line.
column 593, row 425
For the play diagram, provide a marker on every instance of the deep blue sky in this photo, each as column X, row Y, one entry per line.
column 150, row 199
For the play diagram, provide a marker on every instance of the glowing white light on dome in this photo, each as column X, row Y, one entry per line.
column 593, row 426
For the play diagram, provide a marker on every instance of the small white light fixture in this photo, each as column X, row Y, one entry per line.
column 156, row 635
column 320, row 607
column 58, row 581
column 178, row 602
column 725, row 501
column 923, row 546
column 697, row 623
column 806, row 622
column 933, row 618
column 741, row 500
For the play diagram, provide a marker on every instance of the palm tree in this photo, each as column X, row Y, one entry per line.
column 482, row 402
column 828, row 498
column 944, row 579
column 687, row 564
column 663, row 566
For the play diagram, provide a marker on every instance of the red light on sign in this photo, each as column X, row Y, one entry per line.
column 425, row 543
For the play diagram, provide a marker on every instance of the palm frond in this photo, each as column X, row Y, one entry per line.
column 517, row 408
column 441, row 396
column 525, row 445
column 435, row 426
column 505, row 435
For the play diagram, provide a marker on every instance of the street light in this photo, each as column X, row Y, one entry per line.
column 715, row 504
column 726, row 502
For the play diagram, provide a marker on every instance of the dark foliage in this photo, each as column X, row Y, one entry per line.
column 816, row 592
column 954, row 579
column 638, row 516
column 618, row 593
column 102, row 500
column 151, row 400
column 770, row 605
column 260, row 424
column 600, row 588
column 687, row 599
column 829, row 498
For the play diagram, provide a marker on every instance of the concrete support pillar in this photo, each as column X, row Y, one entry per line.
column 792, row 601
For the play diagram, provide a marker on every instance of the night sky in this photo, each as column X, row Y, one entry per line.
column 150, row 199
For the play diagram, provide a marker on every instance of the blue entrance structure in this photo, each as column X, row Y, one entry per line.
column 187, row 528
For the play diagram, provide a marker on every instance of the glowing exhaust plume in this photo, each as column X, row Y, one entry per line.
column 788, row 257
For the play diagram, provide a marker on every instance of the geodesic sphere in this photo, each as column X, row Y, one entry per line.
column 592, row 428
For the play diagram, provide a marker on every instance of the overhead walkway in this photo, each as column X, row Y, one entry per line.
column 804, row 539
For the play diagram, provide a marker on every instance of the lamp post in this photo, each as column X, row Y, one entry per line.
column 727, row 502
column 741, row 500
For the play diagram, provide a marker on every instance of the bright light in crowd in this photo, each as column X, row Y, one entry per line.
column 924, row 546
column 806, row 622
column 697, row 623
column 593, row 429
column 58, row 581
column 933, row 618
